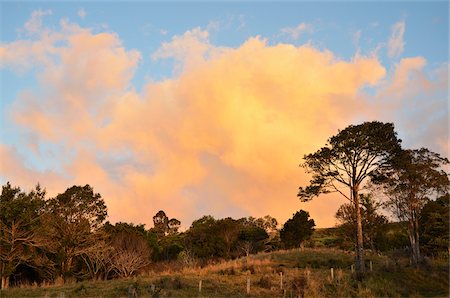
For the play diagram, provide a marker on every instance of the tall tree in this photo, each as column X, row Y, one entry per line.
column 348, row 160
column 297, row 229
column 416, row 177
column 19, row 215
column 71, row 219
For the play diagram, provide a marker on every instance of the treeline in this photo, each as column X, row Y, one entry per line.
column 67, row 238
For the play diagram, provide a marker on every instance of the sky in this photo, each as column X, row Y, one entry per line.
column 207, row 108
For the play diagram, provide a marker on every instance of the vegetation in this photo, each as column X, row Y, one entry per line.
column 349, row 159
column 305, row 273
column 414, row 177
column 373, row 223
column 297, row 229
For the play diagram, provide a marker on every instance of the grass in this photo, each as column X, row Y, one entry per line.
column 306, row 273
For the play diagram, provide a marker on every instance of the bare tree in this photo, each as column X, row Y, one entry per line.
column 130, row 254
column 97, row 258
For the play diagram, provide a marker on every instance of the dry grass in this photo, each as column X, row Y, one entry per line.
column 306, row 273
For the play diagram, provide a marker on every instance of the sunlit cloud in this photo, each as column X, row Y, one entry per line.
column 295, row 32
column 223, row 136
column 34, row 24
column 396, row 43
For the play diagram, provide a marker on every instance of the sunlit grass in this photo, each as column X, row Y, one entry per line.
column 305, row 272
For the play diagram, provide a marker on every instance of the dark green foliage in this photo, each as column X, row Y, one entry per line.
column 225, row 238
column 392, row 236
column 434, row 226
column 79, row 204
column 203, row 238
column 297, row 229
column 373, row 223
column 19, row 218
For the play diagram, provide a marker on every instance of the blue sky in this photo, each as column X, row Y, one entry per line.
column 396, row 52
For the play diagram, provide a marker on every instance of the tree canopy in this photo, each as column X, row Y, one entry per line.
column 297, row 229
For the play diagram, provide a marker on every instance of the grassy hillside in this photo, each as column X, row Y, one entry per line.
column 305, row 273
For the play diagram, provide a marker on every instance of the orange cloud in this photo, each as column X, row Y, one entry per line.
column 224, row 137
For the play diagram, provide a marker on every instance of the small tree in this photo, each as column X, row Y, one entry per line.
column 416, row 176
column 130, row 253
column 297, row 229
column 349, row 159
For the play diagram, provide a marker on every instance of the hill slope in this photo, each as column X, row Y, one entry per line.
column 303, row 272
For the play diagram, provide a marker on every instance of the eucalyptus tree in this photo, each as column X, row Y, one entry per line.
column 416, row 177
column 348, row 160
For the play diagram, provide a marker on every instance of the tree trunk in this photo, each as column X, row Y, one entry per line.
column 5, row 282
column 359, row 249
column 413, row 233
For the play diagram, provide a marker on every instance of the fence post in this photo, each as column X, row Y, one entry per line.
column 200, row 286
column 332, row 273
column 371, row 267
column 281, row 280
column 353, row 269
column 248, row 285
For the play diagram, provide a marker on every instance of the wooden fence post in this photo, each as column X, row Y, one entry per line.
column 371, row 266
column 200, row 286
column 248, row 285
column 281, row 280
column 332, row 273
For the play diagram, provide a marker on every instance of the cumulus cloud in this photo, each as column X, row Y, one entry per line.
column 295, row 32
column 224, row 136
column 396, row 43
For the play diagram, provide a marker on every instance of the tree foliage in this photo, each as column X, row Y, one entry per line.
column 434, row 226
column 297, row 229
column 373, row 223
column 70, row 220
column 19, row 216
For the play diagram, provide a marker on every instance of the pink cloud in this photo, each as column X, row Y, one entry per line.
column 225, row 136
